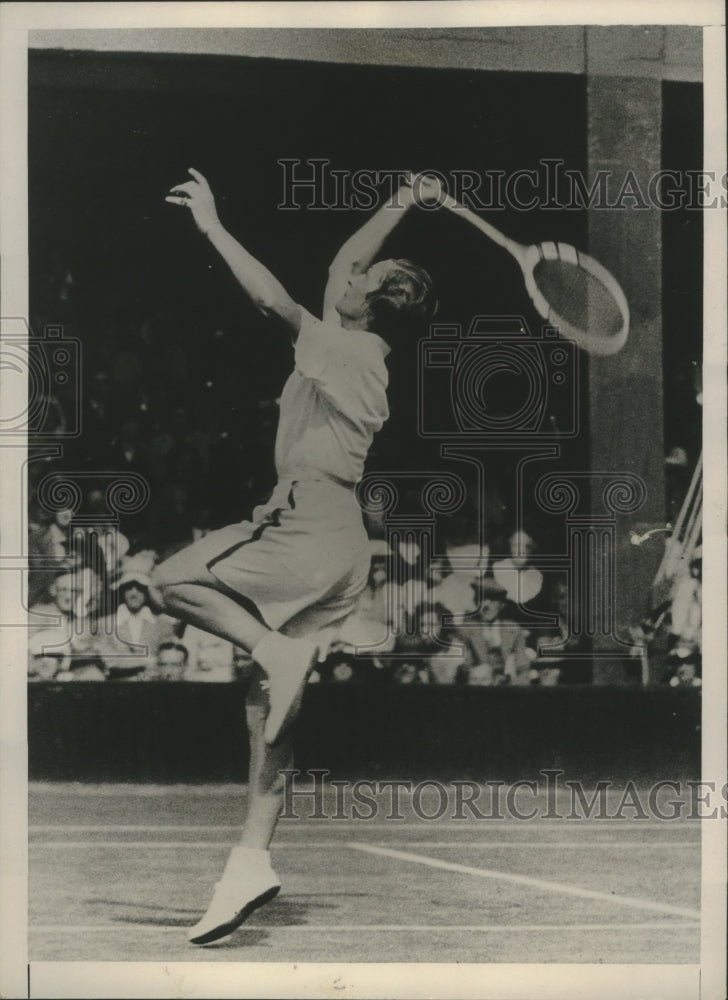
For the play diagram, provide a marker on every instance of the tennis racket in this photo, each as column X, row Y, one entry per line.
column 568, row 288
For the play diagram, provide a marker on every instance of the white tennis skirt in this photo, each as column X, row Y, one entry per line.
column 303, row 559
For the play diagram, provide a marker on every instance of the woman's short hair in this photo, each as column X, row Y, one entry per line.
column 404, row 303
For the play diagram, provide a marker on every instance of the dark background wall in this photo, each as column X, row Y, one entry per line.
column 196, row 732
column 109, row 134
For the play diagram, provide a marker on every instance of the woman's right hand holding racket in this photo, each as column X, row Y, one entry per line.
column 426, row 189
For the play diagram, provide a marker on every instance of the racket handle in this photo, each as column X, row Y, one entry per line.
column 514, row 248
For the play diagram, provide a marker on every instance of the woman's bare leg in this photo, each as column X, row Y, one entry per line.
column 185, row 588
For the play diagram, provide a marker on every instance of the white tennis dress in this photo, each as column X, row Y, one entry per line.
column 303, row 559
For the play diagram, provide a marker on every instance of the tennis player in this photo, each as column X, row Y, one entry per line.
column 280, row 584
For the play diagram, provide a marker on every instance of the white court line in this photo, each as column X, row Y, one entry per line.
column 519, row 844
column 534, row 883
column 134, row 790
column 387, row 928
column 491, row 826
column 328, row 844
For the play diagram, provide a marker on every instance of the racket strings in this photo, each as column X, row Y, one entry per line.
column 579, row 297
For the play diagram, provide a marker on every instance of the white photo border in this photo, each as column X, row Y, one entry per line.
column 200, row 979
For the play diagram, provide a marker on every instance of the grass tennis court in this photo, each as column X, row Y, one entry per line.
column 118, row 873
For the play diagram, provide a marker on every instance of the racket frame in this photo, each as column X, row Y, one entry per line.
column 591, row 342
column 528, row 257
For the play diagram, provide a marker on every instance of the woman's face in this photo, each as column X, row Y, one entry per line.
column 492, row 607
column 521, row 546
column 63, row 517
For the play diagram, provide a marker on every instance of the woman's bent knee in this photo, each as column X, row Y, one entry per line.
column 187, row 566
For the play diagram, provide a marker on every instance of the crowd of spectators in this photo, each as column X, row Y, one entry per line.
column 459, row 619
column 464, row 618
column 97, row 623
column 469, row 617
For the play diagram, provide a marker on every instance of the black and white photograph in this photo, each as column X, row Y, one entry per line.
column 363, row 425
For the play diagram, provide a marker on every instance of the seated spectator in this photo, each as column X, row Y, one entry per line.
column 686, row 611
column 522, row 582
column 53, row 537
column 339, row 667
column 72, row 594
column 71, row 614
column 89, row 605
column 47, row 542
column 411, row 673
column 343, row 665
column 143, row 561
column 210, row 658
column 112, row 544
column 672, row 632
column 133, row 634
column 683, row 668
column 558, row 656
column 58, row 609
column 497, row 642
column 49, row 654
column 436, row 652
column 406, row 587
column 171, row 663
column 406, row 560
column 370, row 625
column 437, row 573
column 451, row 578
column 83, row 667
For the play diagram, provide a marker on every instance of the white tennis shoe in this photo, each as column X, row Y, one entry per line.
column 247, row 883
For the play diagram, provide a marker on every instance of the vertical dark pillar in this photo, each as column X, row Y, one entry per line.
column 625, row 390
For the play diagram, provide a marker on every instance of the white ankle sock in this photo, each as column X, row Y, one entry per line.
column 244, row 860
column 245, row 853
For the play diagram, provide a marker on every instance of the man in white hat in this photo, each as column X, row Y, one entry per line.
column 498, row 643
column 134, row 632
